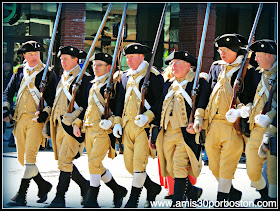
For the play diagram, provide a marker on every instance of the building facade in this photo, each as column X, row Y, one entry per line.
column 182, row 29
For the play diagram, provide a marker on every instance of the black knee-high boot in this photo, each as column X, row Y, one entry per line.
column 81, row 181
column 61, row 189
column 264, row 195
column 222, row 198
column 90, row 200
column 153, row 189
column 192, row 192
column 44, row 188
column 20, row 198
column 179, row 191
column 234, row 194
column 119, row 192
column 134, row 198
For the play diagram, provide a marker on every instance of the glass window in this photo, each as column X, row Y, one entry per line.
column 171, row 29
column 23, row 22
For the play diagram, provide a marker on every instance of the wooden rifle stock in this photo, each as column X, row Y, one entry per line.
column 147, row 76
column 237, row 87
column 191, row 119
column 239, row 81
column 44, row 77
column 72, row 102
column 116, row 58
column 267, row 105
column 109, row 89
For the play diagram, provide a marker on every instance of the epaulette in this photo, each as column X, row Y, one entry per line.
column 16, row 68
column 155, row 71
column 87, row 74
column 117, row 76
column 204, row 75
column 249, row 66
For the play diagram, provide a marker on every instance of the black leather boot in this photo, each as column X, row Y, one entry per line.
column 61, row 189
column 90, row 199
column 20, row 198
column 192, row 192
column 234, row 194
column 264, row 195
column 153, row 189
column 81, row 181
column 179, row 191
column 134, row 198
column 44, row 188
column 222, row 198
column 119, row 192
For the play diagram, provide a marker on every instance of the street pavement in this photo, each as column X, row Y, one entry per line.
column 12, row 172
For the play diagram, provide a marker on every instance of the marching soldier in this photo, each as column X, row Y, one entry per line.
column 178, row 152
column 262, row 126
column 28, row 134
column 136, row 127
column 223, row 144
column 66, row 148
column 99, row 134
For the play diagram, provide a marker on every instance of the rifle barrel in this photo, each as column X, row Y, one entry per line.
column 147, row 77
column 250, row 39
column 155, row 44
column 94, row 43
column 117, row 44
column 202, row 43
column 52, row 41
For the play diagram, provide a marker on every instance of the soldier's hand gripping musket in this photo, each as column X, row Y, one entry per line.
column 145, row 85
column 44, row 111
column 116, row 59
column 196, row 120
column 116, row 63
column 239, row 123
column 67, row 125
column 146, row 80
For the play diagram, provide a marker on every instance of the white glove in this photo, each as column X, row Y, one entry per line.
column 262, row 120
column 197, row 123
column 263, row 147
column 232, row 115
column 245, row 111
column 105, row 124
column 117, row 130
column 141, row 120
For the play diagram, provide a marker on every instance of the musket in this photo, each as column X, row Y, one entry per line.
column 147, row 76
column 109, row 87
column 81, row 74
column 44, row 77
column 238, row 83
column 267, row 105
column 199, row 61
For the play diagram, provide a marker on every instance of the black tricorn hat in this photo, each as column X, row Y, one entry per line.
column 30, row 46
column 70, row 50
column 103, row 57
column 83, row 54
column 265, row 45
column 136, row 48
column 234, row 42
column 182, row 55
